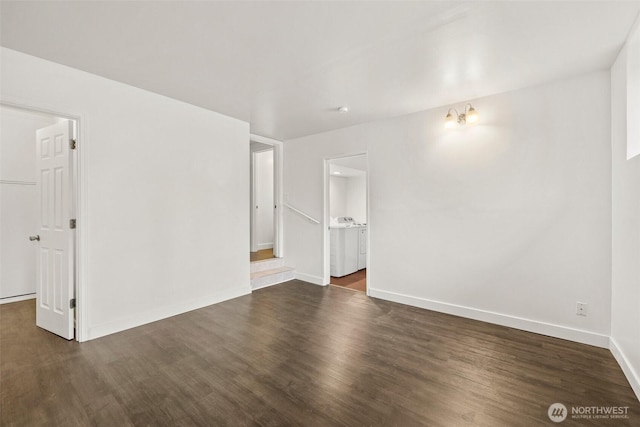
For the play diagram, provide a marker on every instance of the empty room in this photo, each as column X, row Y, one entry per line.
column 440, row 201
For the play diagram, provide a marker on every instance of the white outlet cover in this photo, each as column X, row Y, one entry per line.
column 581, row 309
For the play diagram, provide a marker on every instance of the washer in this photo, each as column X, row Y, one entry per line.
column 348, row 247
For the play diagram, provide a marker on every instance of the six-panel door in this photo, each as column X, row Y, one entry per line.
column 54, row 264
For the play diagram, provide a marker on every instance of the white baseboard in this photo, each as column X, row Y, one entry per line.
column 262, row 246
column 16, row 299
column 163, row 313
column 270, row 284
column 528, row 325
column 264, row 286
column 627, row 368
column 316, row 280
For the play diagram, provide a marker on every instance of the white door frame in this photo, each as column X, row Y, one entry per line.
column 327, row 219
column 278, row 216
column 80, row 199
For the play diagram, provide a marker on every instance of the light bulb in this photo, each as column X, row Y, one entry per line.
column 472, row 115
column 449, row 121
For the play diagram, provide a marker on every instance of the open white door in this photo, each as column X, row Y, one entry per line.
column 55, row 236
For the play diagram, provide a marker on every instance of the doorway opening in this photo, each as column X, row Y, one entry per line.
column 38, row 214
column 347, row 208
column 264, row 204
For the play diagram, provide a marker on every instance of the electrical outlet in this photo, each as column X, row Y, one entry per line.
column 581, row 309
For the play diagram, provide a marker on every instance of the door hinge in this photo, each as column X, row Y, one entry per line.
column 72, row 303
column 72, row 144
column 72, row 224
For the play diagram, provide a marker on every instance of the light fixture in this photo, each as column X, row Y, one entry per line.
column 343, row 109
column 470, row 115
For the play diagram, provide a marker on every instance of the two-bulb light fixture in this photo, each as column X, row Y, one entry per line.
column 470, row 115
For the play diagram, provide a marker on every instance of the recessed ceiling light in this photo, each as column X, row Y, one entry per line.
column 343, row 109
column 337, row 173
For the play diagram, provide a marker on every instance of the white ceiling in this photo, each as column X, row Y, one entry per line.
column 286, row 67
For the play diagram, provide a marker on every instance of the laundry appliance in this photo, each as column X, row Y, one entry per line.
column 348, row 248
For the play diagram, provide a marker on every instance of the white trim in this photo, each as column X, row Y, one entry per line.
column 627, row 368
column 264, row 139
column 316, row 280
column 326, row 221
column 81, row 197
column 264, row 150
column 17, row 298
column 6, row 181
column 265, row 246
column 82, row 230
column 268, row 285
column 368, row 281
column 557, row 331
column 271, row 284
column 161, row 313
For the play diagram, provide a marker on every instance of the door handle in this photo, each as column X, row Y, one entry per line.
column 36, row 237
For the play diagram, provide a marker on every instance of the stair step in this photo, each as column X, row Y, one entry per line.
column 270, row 272
column 267, row 264
column 264, row 278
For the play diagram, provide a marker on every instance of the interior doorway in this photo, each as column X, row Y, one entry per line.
column 38, row 198
column 262, row 202
column 347, row 208
column 265, row 194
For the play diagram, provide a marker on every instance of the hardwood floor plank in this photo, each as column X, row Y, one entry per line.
column 261, row 255
column 356, row 281
column 300, row 354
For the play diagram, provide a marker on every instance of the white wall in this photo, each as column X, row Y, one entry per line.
column 18, row 200
column 168, row 184
column 338, row 196
column 506, row 221
column 348, row 197
column 357, row 198
column 264, row 198
column 625, row 308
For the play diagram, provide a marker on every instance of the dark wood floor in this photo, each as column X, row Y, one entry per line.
column 301, row 354
column 262, row 254
column 356, row 281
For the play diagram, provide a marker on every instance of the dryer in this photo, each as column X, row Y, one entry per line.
column 348, row 247
column 344, row 250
